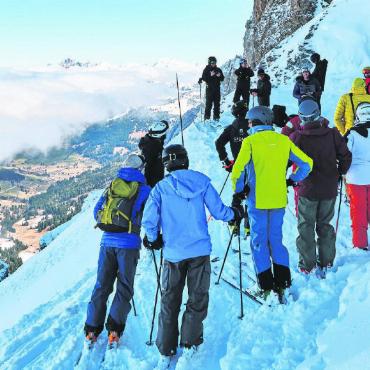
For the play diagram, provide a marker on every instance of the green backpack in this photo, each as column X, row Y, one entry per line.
column 115, row 215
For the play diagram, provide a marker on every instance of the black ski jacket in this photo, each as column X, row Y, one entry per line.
column 213, row 82
column 264, row 91
column 151, row 148
column 320, row 72
column 233, row 134
column 244, row 75
column 310, row 87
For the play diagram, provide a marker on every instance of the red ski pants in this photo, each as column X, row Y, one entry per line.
column 359, row 197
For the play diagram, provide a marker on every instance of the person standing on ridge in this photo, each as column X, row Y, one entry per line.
column 118, row 212
column 243, row 85
column 261, row 165
column 306, row 86
column 358, row 176
column 344, row 116
column 319, row 72
column 263, row 90
column 234, row 134
column 366, row 72
column 212, row 76
column 175, row 218
column 318, row 192
column 151, row 146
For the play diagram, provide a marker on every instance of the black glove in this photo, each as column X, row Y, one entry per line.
column 239, row 214
column 239, row 197
column 290, row 182
column 157, row 244
column 200, row 81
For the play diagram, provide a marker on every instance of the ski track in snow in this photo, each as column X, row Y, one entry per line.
column 325, row 324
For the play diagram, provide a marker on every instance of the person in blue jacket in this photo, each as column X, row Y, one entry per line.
column 176, row 207
column 118, row 258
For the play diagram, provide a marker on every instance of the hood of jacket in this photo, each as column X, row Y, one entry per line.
column 259, row 128
column 187, row 183
column 358, row 87
column 316, row 128
column 267, row 77
column 131, row 174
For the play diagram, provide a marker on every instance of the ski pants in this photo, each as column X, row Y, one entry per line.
column 315, row 215
column 241, row 91
column 213, row 97
column 114, row 263
column 359, row 197
column 270, row 256
column 196, row 271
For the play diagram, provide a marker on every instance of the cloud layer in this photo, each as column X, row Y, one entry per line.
column 38, row 108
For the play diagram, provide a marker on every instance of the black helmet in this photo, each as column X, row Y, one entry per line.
column 239, row 109
column 315, row 57
column 175, row 157
column 212, row 60
column 260, row 116
column 308, row 111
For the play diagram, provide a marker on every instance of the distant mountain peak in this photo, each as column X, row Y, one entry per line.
column 69, row 62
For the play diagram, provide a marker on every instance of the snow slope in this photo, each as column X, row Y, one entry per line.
column 324, row 326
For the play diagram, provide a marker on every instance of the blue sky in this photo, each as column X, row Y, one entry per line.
column 37, row 32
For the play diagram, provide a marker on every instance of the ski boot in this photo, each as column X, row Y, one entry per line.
column 113, row 339
column 90, row 339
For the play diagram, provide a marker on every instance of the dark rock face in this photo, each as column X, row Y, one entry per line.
column 274, row 20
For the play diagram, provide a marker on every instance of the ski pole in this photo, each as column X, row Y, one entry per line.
column 150, row 341
column 156, row 270
column 253, row 101
column 222, row 189
column 133, row 306
column 200, row 98
column 178, row 99
column 240, row 278
column 340, row 203
column 223, row 263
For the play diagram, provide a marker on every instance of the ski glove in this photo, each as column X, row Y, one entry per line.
column 157, row 244
column 239, row 214
column 228, row 165
column 239, row 197
column 290, row 182
column 200, row 81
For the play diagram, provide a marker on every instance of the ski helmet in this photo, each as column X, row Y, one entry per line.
column 315, row 57
column 134, row 160
column 362, row 113
column 158, row 129
column 175, row 157
column 366, row 72
column 260, row 116
column 308, row 111
column 242, row 61
column 212, row 60
column 239, row 109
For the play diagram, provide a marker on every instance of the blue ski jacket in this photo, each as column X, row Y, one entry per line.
column 126, row 240
column 177, row 206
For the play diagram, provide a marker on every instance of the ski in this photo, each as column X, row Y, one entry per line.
column 245, row 292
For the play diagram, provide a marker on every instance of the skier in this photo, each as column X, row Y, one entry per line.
column 244, row 74
column 151, row 146
column 306, row 86
column 119, row 249
column 295, row 124
column 263, row 90
column 366, row 72
column 234, row 134
column 319, row 72
column 318, row 192
column 212, row 76
column 262, row 164
column 358, row 176
column 176, row 208
column 344, row 115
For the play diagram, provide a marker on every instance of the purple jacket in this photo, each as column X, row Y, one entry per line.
column 325, row 146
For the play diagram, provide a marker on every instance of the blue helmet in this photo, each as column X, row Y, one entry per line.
column 261, row 115
column 308, row 111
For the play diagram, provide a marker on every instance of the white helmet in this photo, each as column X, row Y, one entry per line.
column 362, row 113
column 158, row 129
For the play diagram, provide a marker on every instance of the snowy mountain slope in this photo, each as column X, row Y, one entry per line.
column 324, row 326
